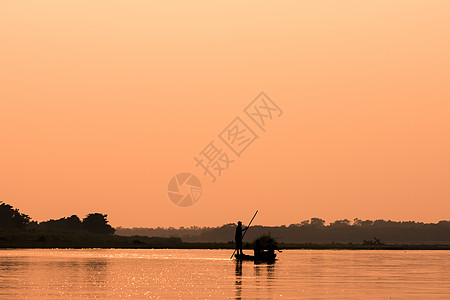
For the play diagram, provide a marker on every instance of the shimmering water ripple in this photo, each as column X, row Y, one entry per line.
column 311, row 274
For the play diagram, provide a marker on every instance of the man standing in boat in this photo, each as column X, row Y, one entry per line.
column 271, row 247
column 238, row 237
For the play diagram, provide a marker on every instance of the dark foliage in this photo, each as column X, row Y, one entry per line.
column 11, row 218
column 97, row 223
column 315, row 231
column 70, row 223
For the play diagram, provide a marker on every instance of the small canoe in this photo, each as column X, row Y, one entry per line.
column 259, row 258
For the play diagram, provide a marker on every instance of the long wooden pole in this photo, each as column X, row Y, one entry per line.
column 250, row 223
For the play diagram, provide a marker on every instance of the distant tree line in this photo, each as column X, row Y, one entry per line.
column 314, row 231
column 12, row 218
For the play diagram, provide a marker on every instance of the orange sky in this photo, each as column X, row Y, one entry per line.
column 102, row 102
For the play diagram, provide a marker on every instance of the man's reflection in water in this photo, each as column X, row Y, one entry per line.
column 270, row 271
column 238, row 281
column 238, row 268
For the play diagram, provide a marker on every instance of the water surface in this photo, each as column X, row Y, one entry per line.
column 164, row 273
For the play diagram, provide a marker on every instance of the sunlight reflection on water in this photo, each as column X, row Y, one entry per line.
column 163, row 273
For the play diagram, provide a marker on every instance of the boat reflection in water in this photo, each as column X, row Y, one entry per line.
column 260, row 277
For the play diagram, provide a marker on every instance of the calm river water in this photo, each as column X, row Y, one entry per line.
column 310, row 274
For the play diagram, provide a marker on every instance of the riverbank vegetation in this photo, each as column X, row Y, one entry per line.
column 18, row 230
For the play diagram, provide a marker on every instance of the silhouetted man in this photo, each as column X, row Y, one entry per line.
column 238, row 237
column 271, row 247
column 257, row 249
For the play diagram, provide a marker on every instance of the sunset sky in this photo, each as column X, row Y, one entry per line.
column 102, row 102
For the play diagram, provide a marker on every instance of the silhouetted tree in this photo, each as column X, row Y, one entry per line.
column 97, row 223
column 367, row 223
column 305, row 223
column 317, row 222
column 11, row 218
column 70, row 223
column 341, row 223
column 73, row 223
column 357, row 222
